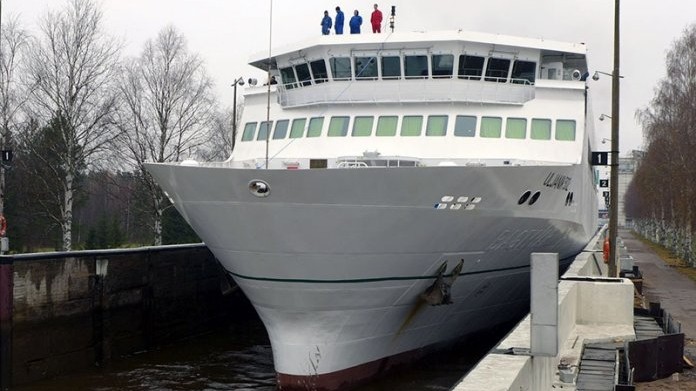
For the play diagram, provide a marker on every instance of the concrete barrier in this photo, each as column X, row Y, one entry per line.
column 591, row 308
column 62, row 312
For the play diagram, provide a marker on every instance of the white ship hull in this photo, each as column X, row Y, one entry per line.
column 335, row 260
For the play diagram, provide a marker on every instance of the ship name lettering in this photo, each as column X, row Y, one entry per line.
column 557, row 181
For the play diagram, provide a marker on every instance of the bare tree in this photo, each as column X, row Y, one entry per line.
column 168, row 110
column 73, row 66
column 219, row 145
column 665, row 184
column 13, row 42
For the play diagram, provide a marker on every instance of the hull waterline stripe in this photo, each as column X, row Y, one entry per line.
column 376, row 279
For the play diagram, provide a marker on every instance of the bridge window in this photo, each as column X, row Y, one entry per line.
column 391, row 68
column 496, row 70
column 264, row 129
column 315, row 126
column 362, row 126
column 319, row 71
column 470, row 67
column 249, row 130
column 281, row 129
column 436, row 126
column 365, row 68
column 416, row 67
column 288, row 76
column 298, row 126
column 516, row 128
column 541, row 129
column 523, row 72
column 386, row 126
column 303, row 75
column 491, row 127
column 340, row 68
column 565, row 130
column 412, row 125
column 465, row 126
column 443, row 65
column 338, row 126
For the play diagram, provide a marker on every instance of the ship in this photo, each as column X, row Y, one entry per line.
column 385, row 193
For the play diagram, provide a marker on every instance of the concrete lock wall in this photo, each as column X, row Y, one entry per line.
column 70, row 311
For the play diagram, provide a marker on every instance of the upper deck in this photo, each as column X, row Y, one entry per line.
column 452, row 66
column 444, row 98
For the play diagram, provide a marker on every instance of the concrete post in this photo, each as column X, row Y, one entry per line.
column 6, row 299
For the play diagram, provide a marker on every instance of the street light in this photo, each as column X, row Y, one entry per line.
column 239, row 81
column 614, row 175
column 603, row 116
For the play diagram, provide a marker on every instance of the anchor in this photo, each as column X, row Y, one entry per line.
column 440, row 291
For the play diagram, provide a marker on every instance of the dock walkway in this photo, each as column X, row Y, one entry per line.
column 661, row 283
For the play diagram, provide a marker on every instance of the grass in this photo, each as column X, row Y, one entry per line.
column 670, row 259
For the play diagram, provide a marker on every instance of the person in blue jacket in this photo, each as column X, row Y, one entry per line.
column 355, row 23
column 326, row 24
column 339, row 21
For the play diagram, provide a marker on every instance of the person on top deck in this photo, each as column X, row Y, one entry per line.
column 326, row 24
column 339, row 21
column 355, row 23
column 376, row 20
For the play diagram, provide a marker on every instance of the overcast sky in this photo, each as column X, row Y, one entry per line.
column 226, row 32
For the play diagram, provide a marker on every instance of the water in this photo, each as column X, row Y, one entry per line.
column 240, row 359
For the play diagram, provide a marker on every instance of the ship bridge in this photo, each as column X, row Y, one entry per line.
column 421, row 67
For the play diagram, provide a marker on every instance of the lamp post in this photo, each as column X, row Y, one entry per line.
column 239, row 81
column 614, row 177
column 614, row 174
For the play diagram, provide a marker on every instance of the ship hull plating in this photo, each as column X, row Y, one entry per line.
column 336, row 261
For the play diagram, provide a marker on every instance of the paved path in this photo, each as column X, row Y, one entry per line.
column 675, row 291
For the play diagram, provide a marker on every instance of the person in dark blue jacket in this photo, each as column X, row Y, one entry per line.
column 355, row 23
column 339, row 21
column 326, row 24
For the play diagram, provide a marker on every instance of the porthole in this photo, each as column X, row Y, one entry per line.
column 259, row 188
column 534, row 198
column 524, row 197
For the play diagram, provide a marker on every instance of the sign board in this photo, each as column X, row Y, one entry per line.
column 600, row 158
column 604, row 183
column 6, row 155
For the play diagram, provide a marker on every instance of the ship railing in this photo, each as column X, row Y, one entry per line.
column 516, row 92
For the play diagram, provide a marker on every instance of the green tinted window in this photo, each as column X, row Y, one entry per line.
column 319, row 71
column 565, row 130
column 264, row 129
column 298, row 126
column 315, row 125
column 281, row 129
column 249, row 130
column 365, row 68
column 416, row 67
column 465, row 126
column 443, row 64
column 288, row 77
column 338, row 127
column 516, row 128
column 490, row 127
column 386, row 126
column 436, row 126
column 340, row 68
column 541, row 129
column 412, row 125
column 362, row 126
column 391, row 67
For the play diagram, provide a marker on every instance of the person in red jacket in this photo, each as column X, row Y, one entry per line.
column 376, row 20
